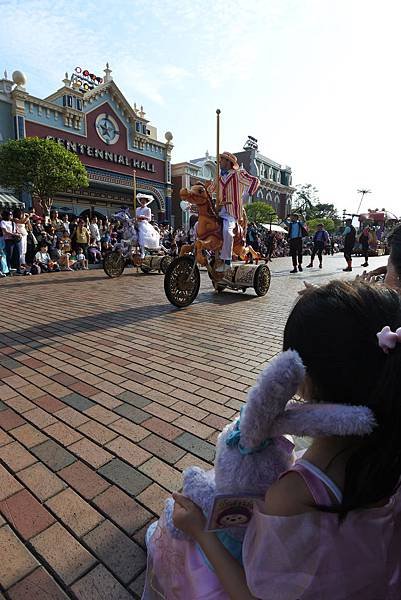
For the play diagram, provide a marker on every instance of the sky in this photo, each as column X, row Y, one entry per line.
column 317, row 82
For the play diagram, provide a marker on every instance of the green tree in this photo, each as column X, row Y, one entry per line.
column 41, row 167
column 305, row 199
column 326, row 211
column 260, row 212
column 327, row 223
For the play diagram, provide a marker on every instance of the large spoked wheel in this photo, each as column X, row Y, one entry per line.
column 182, row 281
column 113, row 264
column 164, row 263
column 261, row 281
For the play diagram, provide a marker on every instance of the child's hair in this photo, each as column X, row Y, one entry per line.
column 334, row 328
column 394, row 241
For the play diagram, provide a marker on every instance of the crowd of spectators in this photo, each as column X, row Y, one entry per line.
column 30, row 244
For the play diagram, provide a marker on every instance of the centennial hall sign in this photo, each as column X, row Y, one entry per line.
column 104, row 155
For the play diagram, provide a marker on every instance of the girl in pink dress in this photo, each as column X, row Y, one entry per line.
column 330, row 528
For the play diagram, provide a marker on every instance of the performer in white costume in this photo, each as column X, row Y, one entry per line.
column 148, row 236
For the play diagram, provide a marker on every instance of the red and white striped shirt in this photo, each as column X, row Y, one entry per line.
column 232, row 189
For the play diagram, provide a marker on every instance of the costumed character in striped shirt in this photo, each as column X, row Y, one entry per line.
column 235, row 184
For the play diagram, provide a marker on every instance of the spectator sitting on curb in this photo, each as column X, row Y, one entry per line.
column 44, row 261
column 82, row 261
column 64, row 254
column 94, row 252
column 105, row 248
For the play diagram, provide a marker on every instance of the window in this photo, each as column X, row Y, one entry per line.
column 79, row 104
column 138, row 127
column 144, row 130
column 21, row 127
column 207, row 174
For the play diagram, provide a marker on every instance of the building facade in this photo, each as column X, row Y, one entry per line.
column 90, row 116
column 275, row 180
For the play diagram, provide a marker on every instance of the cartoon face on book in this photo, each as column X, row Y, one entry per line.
column 230, row 511
column 257, row 447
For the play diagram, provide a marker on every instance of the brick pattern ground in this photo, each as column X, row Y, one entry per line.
column 107, row 393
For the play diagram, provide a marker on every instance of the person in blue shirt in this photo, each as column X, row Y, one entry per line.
column 320, row 241
column 296, row 231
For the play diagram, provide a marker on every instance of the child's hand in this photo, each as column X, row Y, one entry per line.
column 188, row 516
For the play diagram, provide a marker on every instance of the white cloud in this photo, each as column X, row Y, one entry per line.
column 174, row 73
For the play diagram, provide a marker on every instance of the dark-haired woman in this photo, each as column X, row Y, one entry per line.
column 82, row 237
column 329, row 528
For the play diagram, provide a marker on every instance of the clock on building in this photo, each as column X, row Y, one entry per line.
column 107, row 128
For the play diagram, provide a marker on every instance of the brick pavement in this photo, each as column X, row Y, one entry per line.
column 107, row 393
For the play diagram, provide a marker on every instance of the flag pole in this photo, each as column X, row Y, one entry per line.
column 218, row 200
column 134, row 188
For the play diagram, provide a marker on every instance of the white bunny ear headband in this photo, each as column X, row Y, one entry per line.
column 270, row 412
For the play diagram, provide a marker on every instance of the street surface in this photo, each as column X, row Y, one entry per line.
column 107, row 393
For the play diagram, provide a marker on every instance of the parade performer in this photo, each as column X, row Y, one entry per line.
column 234, row 184
column 320, row 242
column 296, row 231
column 148, row 236
column 349, row 235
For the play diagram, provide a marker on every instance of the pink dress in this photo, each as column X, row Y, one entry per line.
column 303, row 557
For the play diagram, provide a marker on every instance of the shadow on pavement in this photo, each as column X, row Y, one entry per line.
column 112, row 318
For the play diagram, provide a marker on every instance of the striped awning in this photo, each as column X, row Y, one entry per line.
column 8, row 200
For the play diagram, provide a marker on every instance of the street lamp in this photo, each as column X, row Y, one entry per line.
column 363, row 193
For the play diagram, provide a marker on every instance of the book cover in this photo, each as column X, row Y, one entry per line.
column 231, row 511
